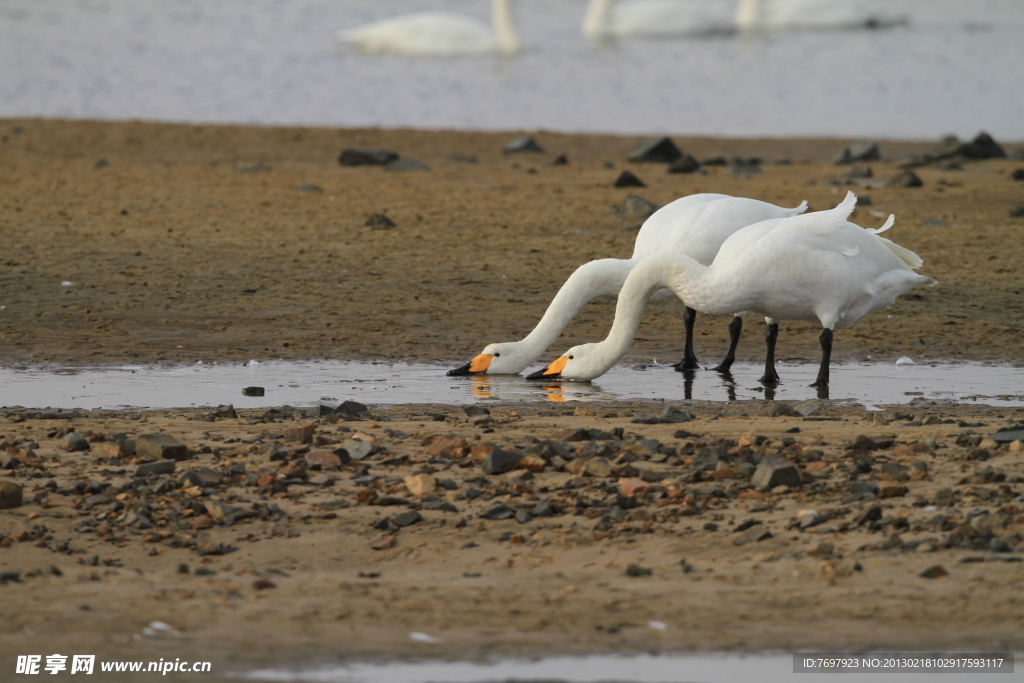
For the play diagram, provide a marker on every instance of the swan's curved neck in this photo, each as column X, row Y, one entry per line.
column 593, row 279
column 678, row 272
column 504, row 26
column 748, row 15
column 595, row 22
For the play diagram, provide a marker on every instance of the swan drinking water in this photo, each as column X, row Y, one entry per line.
column 437, row 34
column 695, row 225
column 817, row 267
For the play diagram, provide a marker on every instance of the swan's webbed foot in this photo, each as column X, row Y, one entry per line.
column 686, row 365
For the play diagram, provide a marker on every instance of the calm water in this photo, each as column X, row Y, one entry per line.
column 956, row 68
column 307, row 383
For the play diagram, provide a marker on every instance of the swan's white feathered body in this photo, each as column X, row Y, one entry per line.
column 774, row 15
column 437, row 34
column 654, row 18
column 816, row 267
column 696, row 225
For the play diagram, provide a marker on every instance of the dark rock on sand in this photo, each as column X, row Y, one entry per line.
column 357, row 156
column 864, row 150
column 560, row 160
column 659, row 150
column 160, row 446
column 73, row 442
column 379, row 221
column 905, row 179
column 636, row 208
column 684, row 164
column 500, row 461
column 981, row 147
column 253, row 391
column 158, row 467
column 627, row 179
column 744, row 168
column 772, row 472
column 10, row 495
column 521, row 144
column 407, row 518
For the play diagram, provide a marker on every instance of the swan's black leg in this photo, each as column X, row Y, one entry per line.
column 735, row 327
column 771, row 333
column 730, row 384
column 826, row 355
column 689, row 361
column 688, row 384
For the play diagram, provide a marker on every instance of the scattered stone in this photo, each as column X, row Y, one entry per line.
column 263, row 584
column 597, row 467
column 523, row 143
column 205, row 545
column 891, row 489
column 10, row 495
column 156, row 467
column 560, row 160
column 904, row 179
column 399, row 165
column 420, row 484
column 379, row 221
column 635, row 207
column 779, row 409
column 253, row 391
column 73, row 441
column 308, row 187
column 160, row 446
column 356, row 156
column 385, row 543
column 811, row 407
column 659, row 150
column 1017, row 174
column 572, row 435
column 635, row 571
column 858, row 173
column 981, row 147
column 353, row 409
column 752, row 535
column 864, row 150
column 500, row 461
column 671, row 415
column 934, row 572
column 773, row 471
column 714, row 161
column 407, row 518
column 324, row 460
column 627, row 179
column 498, row 511
column 543, row 509
column 1008, row 436
column 474, row 411
column 684, row 164
column 225, row 411
column 744, row 168
column 872, row 514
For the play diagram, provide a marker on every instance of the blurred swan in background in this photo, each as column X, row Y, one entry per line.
column 654, row 18
column 437, row 34
column 774, row 15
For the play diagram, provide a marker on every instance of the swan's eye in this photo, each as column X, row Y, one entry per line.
column 569, row 357
column 497, row 355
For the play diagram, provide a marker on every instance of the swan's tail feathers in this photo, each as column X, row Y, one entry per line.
column 798, row 210
column 847, row 206
column 885, row 226
column 907, row 256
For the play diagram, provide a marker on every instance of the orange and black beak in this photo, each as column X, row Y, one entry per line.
column 552, row 371
column 473, row 367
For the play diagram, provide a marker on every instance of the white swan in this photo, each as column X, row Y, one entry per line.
column 817, row 267
column 768, row 15
column 438, row 34
column 695, row 225
column 654, row 18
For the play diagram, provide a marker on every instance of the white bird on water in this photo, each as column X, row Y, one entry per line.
column 695, row 225
column 654, row 18
column 774, row 15
column 438, row 34
column 818, row 267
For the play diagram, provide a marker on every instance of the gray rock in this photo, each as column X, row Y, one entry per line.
column 157, row 467
column 10, row 495
column 858, row 172
column 498, row 511
column 743, row 168
column 73, row 441
column 636, row 208
column 981, row 147
column 379, row 221
column 543, row 509
column 752, row 535
column 934, row 572
column 253, row 391
column 225, row 411
column 811, row 407
column 407, row 518
column 352, row 409
column 206, row 545
column 357, row 450
column 905, row 179
column 659, row 150
column 779, row 409
column 336, row 504
column 773, row 471
column 560, row 160
column 672, row 415
column 500, row 461
column 1008, row 436
column 636, row 571
column 872, row 514
column 474, row 411
column 8, row 461
column 400, row 165
column 523, row 143
column 864, row 150
column 160, row 446
column 357, row 156
column 684, row 164
column 627, row 179
column 522, row 516
column 308, row 187
column 1017, row 211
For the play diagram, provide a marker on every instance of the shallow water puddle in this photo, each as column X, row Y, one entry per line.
column 644, row 668
column 305, row 383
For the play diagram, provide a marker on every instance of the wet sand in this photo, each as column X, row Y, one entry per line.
column 177, row 256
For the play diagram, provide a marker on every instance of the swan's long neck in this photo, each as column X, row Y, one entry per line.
column 590, row 280
column 504, row 26
column 595, row 21
column 678, row 272
column 748, row 15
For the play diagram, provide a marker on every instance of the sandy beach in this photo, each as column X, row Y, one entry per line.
column 290, row 536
